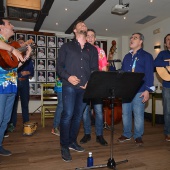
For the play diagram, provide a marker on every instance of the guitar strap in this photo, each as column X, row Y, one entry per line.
column 134, row 64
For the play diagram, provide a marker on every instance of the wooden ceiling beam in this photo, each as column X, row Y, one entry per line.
column 88, row 12
column 43, row 13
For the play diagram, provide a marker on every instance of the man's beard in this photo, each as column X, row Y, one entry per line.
column 83, row 32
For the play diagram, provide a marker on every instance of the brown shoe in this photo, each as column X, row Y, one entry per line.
column 167, row 138
column 139, row 141
column 123, row 139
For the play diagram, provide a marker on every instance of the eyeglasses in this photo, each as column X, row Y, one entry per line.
column 90, row 36
column 135, row 38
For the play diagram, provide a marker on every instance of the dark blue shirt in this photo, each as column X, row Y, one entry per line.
column 27, row 66
column 143, row 63
column 159, row 62
column 74, row 61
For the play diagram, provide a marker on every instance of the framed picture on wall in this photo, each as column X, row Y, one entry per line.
column 41, row 76
column 38, row 89
column 32, row 88
column 97, row 43
column 41, row 52
column 60, row 42
column 31, row 37
column 41, row 40
column 33, row 79
column 20, row 36
column 51, row 41
column 11, row 39
column 41, row 64
column 51, row 76
column 69, row 39
column 51, row 65
column 51, row 53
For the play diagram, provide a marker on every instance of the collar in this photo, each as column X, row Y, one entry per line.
column 131, row 51
column 3, row 39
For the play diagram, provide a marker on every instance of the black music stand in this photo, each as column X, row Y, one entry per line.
column 110, row 85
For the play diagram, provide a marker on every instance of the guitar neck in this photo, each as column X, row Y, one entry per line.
column 24, row 49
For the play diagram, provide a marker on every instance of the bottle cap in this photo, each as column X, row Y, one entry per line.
column 90, row 153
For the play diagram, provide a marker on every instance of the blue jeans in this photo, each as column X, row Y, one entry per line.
column 71, row 117
column 23, row 92
column 59, row 109
column 166, row 109
column 137, row 107
column 6, row 105
column 98, row 108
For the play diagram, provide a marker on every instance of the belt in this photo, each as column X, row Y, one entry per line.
column 21, row 78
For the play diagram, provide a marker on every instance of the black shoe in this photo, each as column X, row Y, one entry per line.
column 65, row 153
column 74, row 146
column 85, row 139
column 101, row 140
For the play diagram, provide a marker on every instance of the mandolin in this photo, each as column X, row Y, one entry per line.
column 9, row 60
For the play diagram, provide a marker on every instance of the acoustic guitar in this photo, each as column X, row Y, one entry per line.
column 164, row 73
column 9, row 60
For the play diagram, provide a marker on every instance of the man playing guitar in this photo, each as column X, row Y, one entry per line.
column 8, row 80
column 162, row 64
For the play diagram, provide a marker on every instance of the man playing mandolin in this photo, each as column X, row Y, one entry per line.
column 8, row 79
column 162, row 62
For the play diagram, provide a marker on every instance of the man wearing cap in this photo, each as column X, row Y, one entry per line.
column 41, row 53
column 51, row 66
column 41, row 76
column 41, row 65
column 41, row 41
column 51, row 78
column 51, row 53
column 60, row 43
column 51, row 42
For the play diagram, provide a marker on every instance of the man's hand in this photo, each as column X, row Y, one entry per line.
column 74, row 80
column 145, row 96
column 84, row 87
column 17, row 54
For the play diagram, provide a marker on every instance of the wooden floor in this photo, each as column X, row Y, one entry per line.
column 42, row 150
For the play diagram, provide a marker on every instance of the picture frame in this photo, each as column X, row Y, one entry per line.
column 32, row 89
column 20, row 36
column 51, row 65
column 31, row 36
column 41, row 64
column 33, row 79
column 51, row 53
column 41, row 52
column 51, row 41
column 41, row 76
column 38, row 89
column 51, row 76
column 60, row 41
column 41, row 40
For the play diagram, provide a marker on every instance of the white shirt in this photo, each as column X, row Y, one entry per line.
column 40, row 67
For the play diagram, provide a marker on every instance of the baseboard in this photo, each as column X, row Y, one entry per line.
column 159, row 119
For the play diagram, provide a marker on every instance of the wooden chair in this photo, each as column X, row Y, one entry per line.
column 48, row 102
